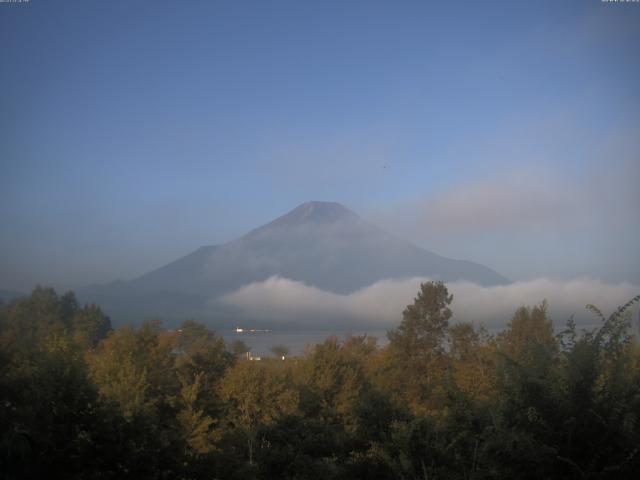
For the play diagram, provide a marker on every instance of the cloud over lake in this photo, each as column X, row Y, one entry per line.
column 380, row 305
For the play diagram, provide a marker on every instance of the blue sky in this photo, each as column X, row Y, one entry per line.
column 503, row 132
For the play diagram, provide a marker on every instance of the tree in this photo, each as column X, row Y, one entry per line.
column 257, row 395
column 31, row 319
column 239, row 349
column 280, row 351
column 334, row 379
column 528, row 327
column 202, row 350
column 414, row 365
column 424, row 323
column 196, row 425
column 90, row 325
column 52, row 422
column 135, row 370
column 472, row 354
column 120, row 375
column 43, row 314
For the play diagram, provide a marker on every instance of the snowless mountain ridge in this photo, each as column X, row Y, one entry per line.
column 322, row 244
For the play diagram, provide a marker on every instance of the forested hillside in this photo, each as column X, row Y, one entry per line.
column 81, row 400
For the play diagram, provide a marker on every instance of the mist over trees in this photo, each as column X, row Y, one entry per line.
column 81, row 400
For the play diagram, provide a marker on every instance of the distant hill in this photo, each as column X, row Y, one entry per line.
column 322, row 244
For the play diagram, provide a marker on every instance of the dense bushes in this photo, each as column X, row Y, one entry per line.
column 79, row 400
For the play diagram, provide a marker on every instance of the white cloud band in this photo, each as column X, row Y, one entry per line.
column 380, row 305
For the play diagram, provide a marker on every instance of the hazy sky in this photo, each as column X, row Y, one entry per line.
column 132, row 132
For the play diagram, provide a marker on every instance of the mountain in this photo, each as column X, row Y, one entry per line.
column 322, row 244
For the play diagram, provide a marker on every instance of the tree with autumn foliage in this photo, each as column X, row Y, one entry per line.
column 78, row 400
column 257, row 395
column 415, row 361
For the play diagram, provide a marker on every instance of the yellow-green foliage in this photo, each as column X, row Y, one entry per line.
column 439, row 401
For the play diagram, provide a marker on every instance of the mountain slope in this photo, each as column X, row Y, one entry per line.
column 321, row 244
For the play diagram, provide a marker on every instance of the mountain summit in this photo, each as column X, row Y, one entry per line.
column 322, row 244
column 314, row 212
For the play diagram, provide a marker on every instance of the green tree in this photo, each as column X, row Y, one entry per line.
column 569, row 409
column 202, row 350
column 423, row 329
column 197, row 426
column 527, row 327
column 121, row 376
column 44, row 314
column 26, row 321
column 134, row 369
column 473, row 360
column 258, row 395
column 202, row 354
column 90, row 325
column 52, row 422
column 414, row 364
